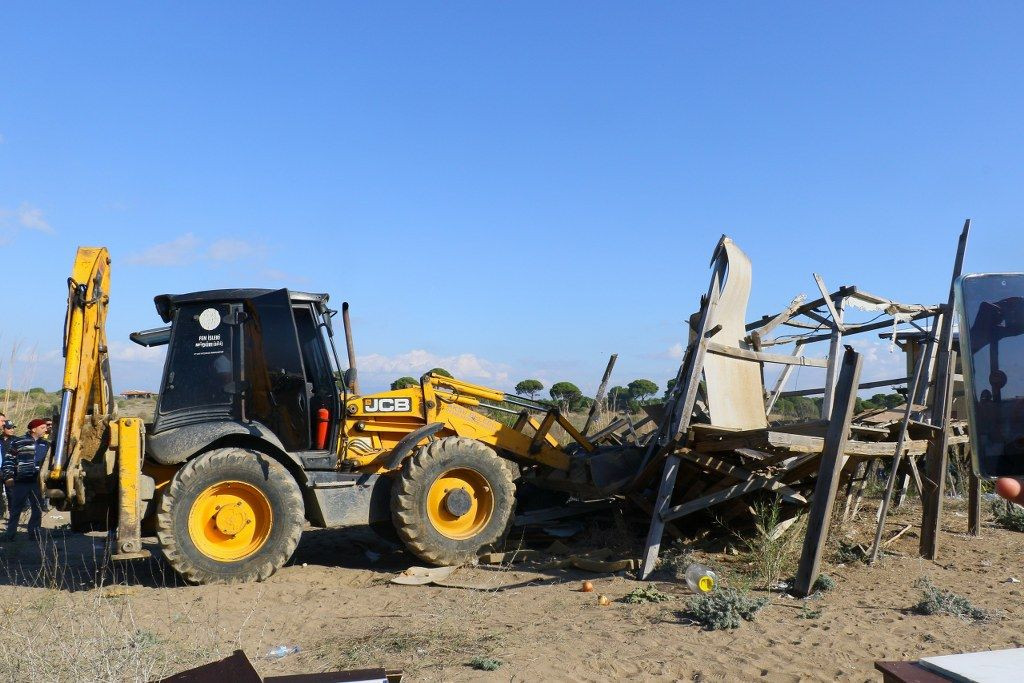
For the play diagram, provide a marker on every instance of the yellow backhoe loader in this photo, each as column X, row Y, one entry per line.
column 257, row 431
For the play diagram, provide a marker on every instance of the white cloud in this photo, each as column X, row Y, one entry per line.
column 31, row 217
column 234, row 250
column 178, row 252
column 189, row 249
column 25, row 217
column 416, row 362
column 131, row 352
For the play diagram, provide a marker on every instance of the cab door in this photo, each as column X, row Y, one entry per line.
column 278, row 393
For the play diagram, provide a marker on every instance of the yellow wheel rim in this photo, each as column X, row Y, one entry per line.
column 460, row 503
column 230, row 521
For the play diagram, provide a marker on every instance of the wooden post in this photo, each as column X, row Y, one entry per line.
column 832, row 461
column 936, row 467
column 974, row 505
column 600, row 393
column 897, row 458
column 834, row 345
column 937, row 457
column 679, row 411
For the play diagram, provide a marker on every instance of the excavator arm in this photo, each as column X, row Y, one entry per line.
column 86, row 391
column 91, row 443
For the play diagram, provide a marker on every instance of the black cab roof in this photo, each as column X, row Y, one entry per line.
column 166, row 304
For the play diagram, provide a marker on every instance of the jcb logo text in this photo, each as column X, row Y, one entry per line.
column 387, row 405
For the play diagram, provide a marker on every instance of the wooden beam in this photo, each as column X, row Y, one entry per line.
column 863, row 385
column 832, row 372
column 934, row 482
column 679, row 409
column 974, row 505
column 936, row 467
column 599, row 397
column 832, row 462
column 801, row 443
column 749, row 486
column 761, row 357
column 713, row 464
column 837, row 316
column 657, row 528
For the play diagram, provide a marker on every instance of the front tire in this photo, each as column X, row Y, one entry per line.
column 229, row 516
column 453, row 499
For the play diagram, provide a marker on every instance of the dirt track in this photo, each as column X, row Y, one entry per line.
column 334, row 601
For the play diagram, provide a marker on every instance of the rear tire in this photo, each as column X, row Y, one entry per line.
column 454, row 499
column 229, row 516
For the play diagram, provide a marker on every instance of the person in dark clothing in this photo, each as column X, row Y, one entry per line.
column 22, row 461
column 7, row 435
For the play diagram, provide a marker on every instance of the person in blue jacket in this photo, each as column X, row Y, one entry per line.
column 22, row 460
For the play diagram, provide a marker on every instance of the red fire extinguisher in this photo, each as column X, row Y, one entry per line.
column 323, row 418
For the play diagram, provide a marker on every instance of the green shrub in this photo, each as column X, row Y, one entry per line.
column 485, row 663
column 824, row 582
column 645, row 594
column 723, row 609
column 934, row 600
column 1008, row 515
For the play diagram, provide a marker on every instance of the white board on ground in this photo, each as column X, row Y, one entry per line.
column 993, row 666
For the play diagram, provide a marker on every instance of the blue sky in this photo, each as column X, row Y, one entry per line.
column 510, row 190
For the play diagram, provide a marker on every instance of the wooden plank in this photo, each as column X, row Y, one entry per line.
column 832, row 462
column 800, row 443
column 749, row 486
column 864, row 385
column 772, row 323
column 735, row 472
column 657, row 528
column 599, row 397
column 761, row 357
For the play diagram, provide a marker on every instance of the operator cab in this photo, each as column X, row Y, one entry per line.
column 249, row 355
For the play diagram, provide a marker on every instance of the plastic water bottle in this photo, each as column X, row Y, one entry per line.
column 282, row 651
column 700, row 579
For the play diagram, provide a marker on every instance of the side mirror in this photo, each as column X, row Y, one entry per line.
column 350, row 377
column 328, row 321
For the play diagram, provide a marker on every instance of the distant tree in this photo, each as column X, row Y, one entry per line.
column 404, row 383
column 36, row 390
column 440, row 371
column 892, row 400
column 529, row 387
column 566, row 393
column 642, row 389
column 669, row 385
column 618, row 397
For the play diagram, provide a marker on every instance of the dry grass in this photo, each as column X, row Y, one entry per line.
column 69, row 620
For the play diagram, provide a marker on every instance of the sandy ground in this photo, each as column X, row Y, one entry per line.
column 67, row 616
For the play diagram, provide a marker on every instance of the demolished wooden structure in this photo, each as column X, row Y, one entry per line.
column 715, row 445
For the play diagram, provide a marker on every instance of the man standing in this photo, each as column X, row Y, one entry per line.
column 22, row 461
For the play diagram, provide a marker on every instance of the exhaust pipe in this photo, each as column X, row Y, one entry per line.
column 353, row 378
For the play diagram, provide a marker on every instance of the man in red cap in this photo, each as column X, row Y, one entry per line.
column 22, row 461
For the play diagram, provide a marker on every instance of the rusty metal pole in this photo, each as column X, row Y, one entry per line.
column 353, row 378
